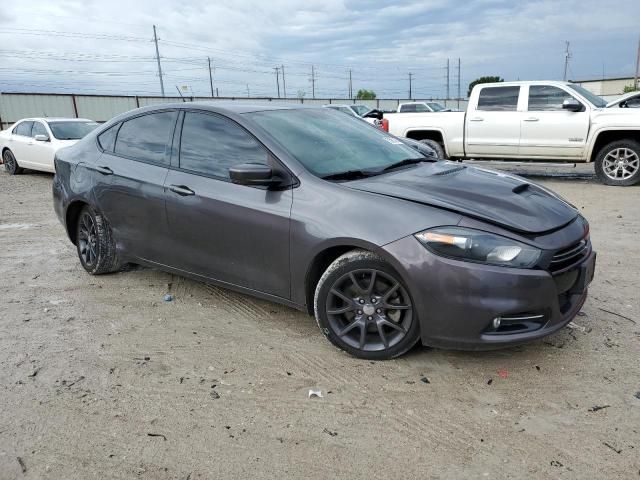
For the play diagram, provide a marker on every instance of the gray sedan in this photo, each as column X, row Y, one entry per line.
column 308, row 207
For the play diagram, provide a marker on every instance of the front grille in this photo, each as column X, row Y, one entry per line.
column 567, row 257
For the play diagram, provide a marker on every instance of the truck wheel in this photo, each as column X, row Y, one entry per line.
column 618, row 163
column 436, row 148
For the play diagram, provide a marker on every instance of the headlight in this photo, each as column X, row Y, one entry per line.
column 478, row 246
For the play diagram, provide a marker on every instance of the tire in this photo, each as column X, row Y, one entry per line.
column 618, row 163
column 95, row 243
column 360, row 319
column 436, row 147
column 10, row 163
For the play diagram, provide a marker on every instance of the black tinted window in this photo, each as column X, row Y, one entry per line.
column 499, row 99
column 23, row 129
column 211, row 144
column 408, row 108
column 146, row 137
column 107, row 139
column 38, row 129
column 546, row 98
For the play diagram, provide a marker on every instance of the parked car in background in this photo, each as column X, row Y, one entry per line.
column 541, row 120
column 33, row 142
column 369, row 115
column 413, row 107
column 313, row 209
column 628, row 100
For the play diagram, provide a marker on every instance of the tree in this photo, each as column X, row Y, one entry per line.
column 480, row 80
column 364, row 94
column 629, row 89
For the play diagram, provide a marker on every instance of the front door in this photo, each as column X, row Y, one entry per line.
column 129, row 182
column 231, row 233
column 41, row 151
column 549, row 131
column 493, row 127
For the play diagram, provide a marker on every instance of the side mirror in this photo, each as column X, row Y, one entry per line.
column 572, row 105
column 374, row 114
column 41, row 138
column 256, row 174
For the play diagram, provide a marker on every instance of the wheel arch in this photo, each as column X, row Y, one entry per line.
column 428, row 134
column 604, row 137
column 71, row 218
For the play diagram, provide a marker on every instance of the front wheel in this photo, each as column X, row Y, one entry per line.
column 618, row 163
column 363, row 307
column 436, row 147
column 10, row 163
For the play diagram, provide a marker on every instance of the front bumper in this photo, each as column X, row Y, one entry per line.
column 457, row 301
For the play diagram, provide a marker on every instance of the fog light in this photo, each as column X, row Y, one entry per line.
column 496, row 323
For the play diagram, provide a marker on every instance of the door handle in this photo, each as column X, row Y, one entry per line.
column 476, row 119
column 181, row 190
column 531, row 119
column 104, row 170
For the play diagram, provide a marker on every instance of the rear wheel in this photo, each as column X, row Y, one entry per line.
column 10, row 163
column 363, row 307
column 95, row 243
column 436, row 147
column 618, row 163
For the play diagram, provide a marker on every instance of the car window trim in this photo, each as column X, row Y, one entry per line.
column 142, row 160
column 294, row 180
column 102, row 150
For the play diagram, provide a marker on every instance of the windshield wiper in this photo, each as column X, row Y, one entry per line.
column 348, row 175
column 407, row 161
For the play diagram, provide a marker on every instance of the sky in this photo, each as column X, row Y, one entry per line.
column 88, row 46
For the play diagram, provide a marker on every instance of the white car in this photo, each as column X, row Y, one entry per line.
column 33, row 142
column 355, row 110
column 415, row 107
column 628, row 100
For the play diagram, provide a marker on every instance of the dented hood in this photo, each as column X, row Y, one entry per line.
column 502, row 199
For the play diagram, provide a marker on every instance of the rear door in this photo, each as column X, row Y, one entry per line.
column 493, row 126
column 19, row 143
column 129, row 182
column 232, row 233
column 549, row 131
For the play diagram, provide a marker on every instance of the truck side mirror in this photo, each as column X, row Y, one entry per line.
column 572, row 105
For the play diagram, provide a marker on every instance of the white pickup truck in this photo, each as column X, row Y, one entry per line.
column 533, row 121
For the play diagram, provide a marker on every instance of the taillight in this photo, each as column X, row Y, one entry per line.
column 385, row 125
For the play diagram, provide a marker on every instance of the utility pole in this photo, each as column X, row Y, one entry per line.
column 284, row 85
column 410, row 75
column 248, row 91
column 447, row 79
column 350, row 85
column 210, row 75
column 277, row 69
column 567, row 56
column 459, row 80
column 155, row 39
column 313, row 82
column 217, row 94
column 635, row 79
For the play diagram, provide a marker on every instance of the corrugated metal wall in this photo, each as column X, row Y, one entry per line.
column 14, row 106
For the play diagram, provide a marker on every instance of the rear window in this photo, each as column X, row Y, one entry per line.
column 146, row 137
column 107, row 139
column 498, row 99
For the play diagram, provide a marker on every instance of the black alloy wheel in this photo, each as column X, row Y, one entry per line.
column 10, row 163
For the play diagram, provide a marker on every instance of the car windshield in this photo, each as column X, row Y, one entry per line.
column 360, row 109
column 594, row 99
column 329, row 143
column 436, row 107
column 71, row 130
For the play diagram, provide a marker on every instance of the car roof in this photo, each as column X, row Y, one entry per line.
column 54, row 119
column 239, row 107
column 525, row 82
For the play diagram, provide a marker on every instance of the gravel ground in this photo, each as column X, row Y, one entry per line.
column 100, row 378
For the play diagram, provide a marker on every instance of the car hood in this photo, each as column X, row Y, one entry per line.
column 502, row 199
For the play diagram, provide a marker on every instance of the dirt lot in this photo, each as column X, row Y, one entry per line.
column 101, row 378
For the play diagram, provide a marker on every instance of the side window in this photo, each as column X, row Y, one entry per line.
column 211, row 144
column 498, row 99
column 147, row 137
column 408, row 108
column 421, row 108
column 38, row 129
column 633, row 102
column 107, row 139
column 546, row 98
column 23, row 129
